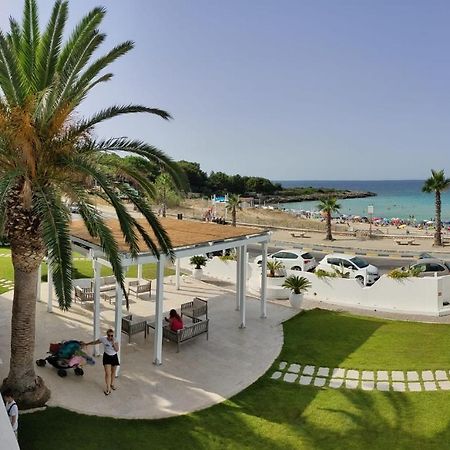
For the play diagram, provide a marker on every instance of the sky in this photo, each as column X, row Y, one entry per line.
column 284, row 89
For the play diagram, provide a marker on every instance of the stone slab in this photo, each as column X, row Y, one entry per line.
column 282, row 365
column 444, row 385
column 414, row 387
column 368, row 375
column 382, row 375
column 276, row 375
column 430, row 386
column 294, row 368
column 383, row 386
column 323, row 371
column 412, row 376
column 441, row 375
column 397, row 375
column 336, row 383
column 305, row 380
column 427, row 375
column 399, row 386
column 353, row 374
column 338, row 373
column 290, row 377
column 367, row 385
column 309, row 370
column 351, row 384
column 319, row 382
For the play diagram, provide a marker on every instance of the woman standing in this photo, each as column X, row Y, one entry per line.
column 110, row 358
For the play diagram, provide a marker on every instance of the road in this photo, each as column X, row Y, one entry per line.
column 384, row 264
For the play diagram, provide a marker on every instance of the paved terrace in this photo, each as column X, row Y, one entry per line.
column 202, row 374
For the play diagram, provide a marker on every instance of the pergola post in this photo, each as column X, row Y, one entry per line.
column 139, row 271
column 157, row 351
column 118, row 320
column 97, row 270
column 50, row 287
column 238, row 277
column 38, row 290
column 264, row 281
column 177, row 274
column 243, row 284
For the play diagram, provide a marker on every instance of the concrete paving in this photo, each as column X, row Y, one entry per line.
column 205, row 372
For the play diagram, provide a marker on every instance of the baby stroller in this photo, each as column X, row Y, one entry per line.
column 66, row 355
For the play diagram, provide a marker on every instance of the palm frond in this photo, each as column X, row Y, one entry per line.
column 10, row 79
column 55, row 225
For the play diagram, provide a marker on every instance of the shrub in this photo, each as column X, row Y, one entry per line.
column 324, row 274
column 296, row 284
column 198, row 261
column 274, row 266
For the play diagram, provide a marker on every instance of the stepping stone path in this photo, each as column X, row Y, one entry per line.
column 366, row 380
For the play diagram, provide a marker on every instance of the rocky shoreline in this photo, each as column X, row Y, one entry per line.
column 279, row 198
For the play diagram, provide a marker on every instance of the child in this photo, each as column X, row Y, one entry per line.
column 12, row 410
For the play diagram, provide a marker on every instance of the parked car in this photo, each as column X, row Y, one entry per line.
column 356, row 266
column 292, row 259
column 430, row 266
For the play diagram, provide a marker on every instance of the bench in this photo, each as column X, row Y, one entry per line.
column 130, row 328
column 140, row 287
column 195, row 309
column 405, row 241
column 106, row 284
column 83, row 294
column 298, row 235
column 188, row 332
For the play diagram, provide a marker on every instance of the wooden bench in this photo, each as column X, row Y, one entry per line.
column 195, row 309
column 140, row 287
column 83, row 295
column 188, row 332
column 106, row 284
column 130, row 328
column 298, row 235
column 405, row 241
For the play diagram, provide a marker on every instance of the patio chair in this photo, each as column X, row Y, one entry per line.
column 140, row 287
column 188, row 332
column 83, row 294
column 195, row 309
column 130, row 328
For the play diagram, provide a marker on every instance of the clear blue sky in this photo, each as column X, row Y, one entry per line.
column 315, row 89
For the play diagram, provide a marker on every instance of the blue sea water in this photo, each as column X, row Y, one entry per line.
column 395, row 198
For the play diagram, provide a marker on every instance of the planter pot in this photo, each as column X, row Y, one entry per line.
column 197, row 274
column 296, row 300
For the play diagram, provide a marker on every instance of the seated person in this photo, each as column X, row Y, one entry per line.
column 175, row 321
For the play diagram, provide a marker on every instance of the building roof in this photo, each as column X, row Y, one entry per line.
column 182, row 233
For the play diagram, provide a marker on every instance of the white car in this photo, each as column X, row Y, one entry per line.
column 292, row 259
column 356, row 266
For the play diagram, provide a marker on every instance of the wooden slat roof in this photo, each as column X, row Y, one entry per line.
column 182, row 233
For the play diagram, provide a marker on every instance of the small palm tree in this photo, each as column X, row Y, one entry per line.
column 49, row 154
column 233, row 204
column 329, row 205
column 274, row 266
column 437, row 183
column 165, row 192
column 297, row 284
column 198, row 261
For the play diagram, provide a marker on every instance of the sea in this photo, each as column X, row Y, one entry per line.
column 401, row 199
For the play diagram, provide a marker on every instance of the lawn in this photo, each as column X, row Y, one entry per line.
column 276, row 415
column 82, row 268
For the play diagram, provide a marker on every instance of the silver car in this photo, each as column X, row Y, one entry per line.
column 430, row 266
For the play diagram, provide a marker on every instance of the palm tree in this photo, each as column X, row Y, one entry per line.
column 328, row 206
column 437, row 183
column 49, row 155
column 232, row 205
column 165, row 193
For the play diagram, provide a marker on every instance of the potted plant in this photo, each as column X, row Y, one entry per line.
column 198, row 261
column 297, row 285
column 274, row 267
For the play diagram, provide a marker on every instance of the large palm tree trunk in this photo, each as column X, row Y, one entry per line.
column 329, row 236
column 233, row 217
column 27, row 251
column 437, row 234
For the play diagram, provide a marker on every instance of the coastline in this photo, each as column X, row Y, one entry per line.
column 317, row 196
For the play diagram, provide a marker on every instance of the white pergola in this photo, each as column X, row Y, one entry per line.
column 228, row 238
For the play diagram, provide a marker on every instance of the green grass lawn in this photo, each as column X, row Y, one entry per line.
column 82, row 268
column 276, row 415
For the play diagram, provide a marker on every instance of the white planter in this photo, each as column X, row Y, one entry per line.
column 275, row 289
column 197, row 274
column 296, row 300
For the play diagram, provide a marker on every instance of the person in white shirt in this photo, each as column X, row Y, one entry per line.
column 110, row 358
column 12, row 410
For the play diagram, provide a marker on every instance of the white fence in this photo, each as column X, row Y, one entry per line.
column 425, row 296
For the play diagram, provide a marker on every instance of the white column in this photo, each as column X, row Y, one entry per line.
column 97, row 270
column 264, row 281
column 139, row 272
column 50, row 287
column 243, row 290
column 38, row 289
column 118, row 321
column 238, row 277
column 159, row 306
column 177, row 274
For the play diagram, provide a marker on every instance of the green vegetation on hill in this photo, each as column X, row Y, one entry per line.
column 275, row 415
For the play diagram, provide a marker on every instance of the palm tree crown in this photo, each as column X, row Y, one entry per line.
column 233, row 204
